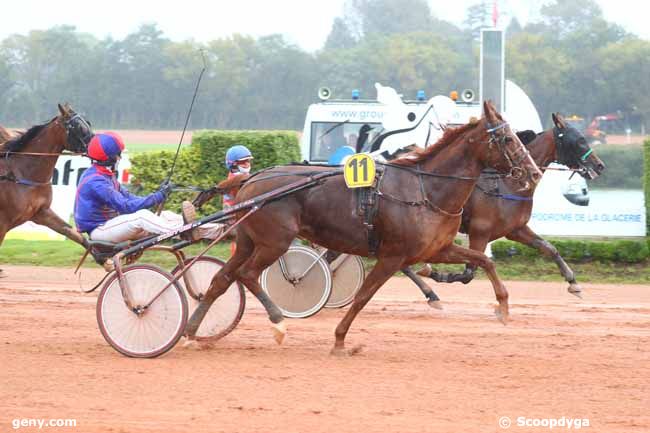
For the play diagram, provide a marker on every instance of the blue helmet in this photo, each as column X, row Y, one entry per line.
column 237, row 153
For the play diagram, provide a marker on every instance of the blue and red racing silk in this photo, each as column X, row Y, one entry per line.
column 100, row 197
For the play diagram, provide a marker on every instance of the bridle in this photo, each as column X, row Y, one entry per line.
column 513, row 159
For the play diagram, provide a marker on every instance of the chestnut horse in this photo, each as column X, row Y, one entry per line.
column 494, row 210
column 420, row 199
column 26, row 168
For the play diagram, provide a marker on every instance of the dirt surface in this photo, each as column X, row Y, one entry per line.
column 422, row 370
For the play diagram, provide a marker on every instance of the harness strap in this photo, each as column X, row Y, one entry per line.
column 26, row 182
column 511, row 197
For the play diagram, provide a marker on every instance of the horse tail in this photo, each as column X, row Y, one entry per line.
column 231, row 186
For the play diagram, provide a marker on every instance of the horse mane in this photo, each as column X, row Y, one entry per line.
column 526, row 136
column 17, row 143
column 419, row 155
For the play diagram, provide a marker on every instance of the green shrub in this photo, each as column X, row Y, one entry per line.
column 646, row 183
column 202, row 163
column 620, row 251
column 624, row 167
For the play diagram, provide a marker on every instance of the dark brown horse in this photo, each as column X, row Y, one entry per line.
column 26, row 168
column 420, row 198
column 495, row 209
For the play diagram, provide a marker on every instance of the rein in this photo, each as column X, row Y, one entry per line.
column 43, row 153
column 511, row 197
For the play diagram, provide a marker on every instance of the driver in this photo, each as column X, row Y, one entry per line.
column 108, row 212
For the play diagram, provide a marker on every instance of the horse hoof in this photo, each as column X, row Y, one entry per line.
column 341, row 352
column 109, row 266
column 356, row 349
column 503, row 316
column 192, row 344
column 279, row 331
column 575, row 289
column 435, row 304
column 425, row 271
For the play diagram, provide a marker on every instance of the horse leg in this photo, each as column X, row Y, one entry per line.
column 383, row 270
column 219, row 284
column 432, row 299
column 3, row 232
column 457, row 254
column 245, row 266
column 528, row 237
column 47, row 217
column 249, row 275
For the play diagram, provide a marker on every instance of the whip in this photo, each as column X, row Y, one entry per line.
column 187, row 120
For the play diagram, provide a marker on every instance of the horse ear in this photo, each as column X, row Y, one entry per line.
column 559, row 120
column 65, row 110
column 489, row 111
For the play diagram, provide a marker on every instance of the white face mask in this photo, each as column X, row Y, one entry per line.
column 244, row 170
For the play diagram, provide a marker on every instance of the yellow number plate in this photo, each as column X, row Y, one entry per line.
column 359, row 171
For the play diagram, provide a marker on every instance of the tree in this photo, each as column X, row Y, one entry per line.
column 478, row 17
column 386, row 17
column 533, row 62
column 340, row 36
column 623, row 64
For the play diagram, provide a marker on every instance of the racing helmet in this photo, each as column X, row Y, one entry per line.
column 236, row 154
column 105, row 148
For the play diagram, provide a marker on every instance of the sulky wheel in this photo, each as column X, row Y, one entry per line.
column 299, row 283
column 347, row 276
column 226, row 312
column 145, row 333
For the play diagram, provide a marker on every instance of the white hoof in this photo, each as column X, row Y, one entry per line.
column 279, row 331
column 435, row 304
column 196, row 345
column 109, row 266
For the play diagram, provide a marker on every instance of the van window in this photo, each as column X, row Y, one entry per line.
column 326, row 137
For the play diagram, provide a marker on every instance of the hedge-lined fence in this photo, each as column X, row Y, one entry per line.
column 202, row 163
column 646, row 183
column 620, row 251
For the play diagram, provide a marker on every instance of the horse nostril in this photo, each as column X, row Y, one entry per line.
column 600, row 167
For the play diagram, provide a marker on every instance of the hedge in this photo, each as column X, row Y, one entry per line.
column 202, row 163
column 621, row 251
column 624, row 167
column 646, row 183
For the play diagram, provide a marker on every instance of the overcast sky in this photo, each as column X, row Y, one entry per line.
column 304, row 22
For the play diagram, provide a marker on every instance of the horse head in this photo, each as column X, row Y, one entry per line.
column 505, row 152
column 78, row 129
column 572, row 150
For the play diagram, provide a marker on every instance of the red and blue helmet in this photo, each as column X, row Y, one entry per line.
column 105, row 148
column 237, row 154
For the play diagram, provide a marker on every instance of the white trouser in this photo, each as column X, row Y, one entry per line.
column 143, row 223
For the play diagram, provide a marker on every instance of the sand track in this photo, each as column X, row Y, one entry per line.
column 422, row 370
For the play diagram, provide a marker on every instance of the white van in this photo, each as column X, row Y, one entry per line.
column 331, row 124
